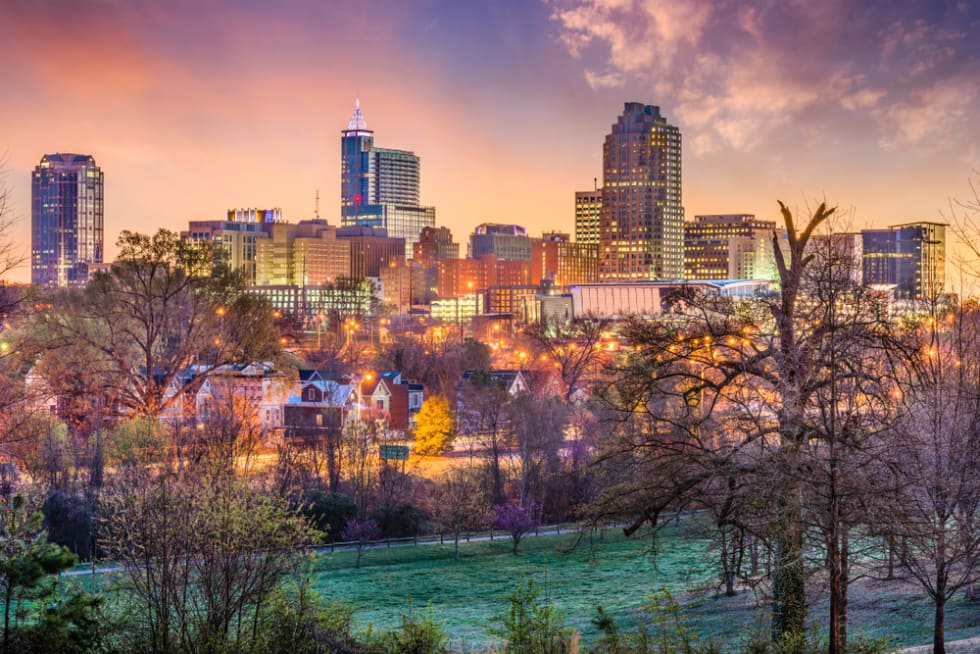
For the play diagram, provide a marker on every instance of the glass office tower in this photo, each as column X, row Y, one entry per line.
column 380, row 186
column 66, row 219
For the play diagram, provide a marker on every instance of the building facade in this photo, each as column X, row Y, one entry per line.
column 67, row 219
column 559, row 262
column 379, row 187
column 304, row 254
column 910, row 256
column 435, row 243
column 506, row 242
column 588, row 212
column 729, row 246
column 641, row 226
column 236, row 238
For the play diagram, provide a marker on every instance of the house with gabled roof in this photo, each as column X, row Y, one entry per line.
column 398, row 399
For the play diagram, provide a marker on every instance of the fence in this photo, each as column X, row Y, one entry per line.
column 464, row 537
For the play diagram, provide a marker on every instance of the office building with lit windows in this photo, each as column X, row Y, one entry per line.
column 641, row 226
column 588, row 212
column 559, row 262
column 729, row 246
column 379, row 187
column 236, row 238
column 507, row 242
column 67, row 216
column 910, row 256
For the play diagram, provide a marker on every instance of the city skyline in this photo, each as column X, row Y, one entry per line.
column 190, row 111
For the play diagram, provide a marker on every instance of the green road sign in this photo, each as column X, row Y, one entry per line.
column 394, row 452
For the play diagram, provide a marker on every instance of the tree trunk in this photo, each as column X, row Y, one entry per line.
column 789, row 575
column 939, row 626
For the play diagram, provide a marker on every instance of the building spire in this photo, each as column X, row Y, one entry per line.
column 357, row 122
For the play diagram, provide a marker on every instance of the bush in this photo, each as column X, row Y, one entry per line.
column 403, row 521
column 530, row 627
column 298, row 622
column 71, row 624
column 328, row 512
column 69, row 519
column 417, row 635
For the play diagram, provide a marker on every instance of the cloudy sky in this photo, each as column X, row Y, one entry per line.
column 192, row 108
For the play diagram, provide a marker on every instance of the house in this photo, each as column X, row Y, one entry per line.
column 320, row 409
column 515, row 381
column 398, row 399
column 254, row 391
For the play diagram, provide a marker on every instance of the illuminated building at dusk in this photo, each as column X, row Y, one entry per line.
column 729, row 246
column 507, row 242
column 588, row 211
column 67, row 215
column 236, row 237
column 561, row 262
column 910, row 256
column 304, row 254
column 641, row 227
column 379, row 187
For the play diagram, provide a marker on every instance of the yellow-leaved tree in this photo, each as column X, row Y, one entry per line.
column 436, row 427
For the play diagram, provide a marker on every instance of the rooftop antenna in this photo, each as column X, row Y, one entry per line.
column 595, row 182
column 316, row 210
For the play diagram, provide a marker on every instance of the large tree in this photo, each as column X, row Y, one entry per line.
column 719, row 390
column 162, row 318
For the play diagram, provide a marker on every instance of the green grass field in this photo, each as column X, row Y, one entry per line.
column 620, row 574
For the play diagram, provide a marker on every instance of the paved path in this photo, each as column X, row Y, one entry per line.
column 965, row 646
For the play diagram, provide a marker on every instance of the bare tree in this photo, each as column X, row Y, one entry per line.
column 763, row 366
column 538, row 427
column 165, row 317
column 457, row 504
column 574, row 349
column 483, row 416
column 936, row 501
column 202, row 556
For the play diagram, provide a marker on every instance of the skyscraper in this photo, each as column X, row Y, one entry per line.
column 588, row 211
column 379, row 187
column 641, row 227
column 66, row 219
column 910, row 256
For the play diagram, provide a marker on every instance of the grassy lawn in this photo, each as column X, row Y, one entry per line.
column 619, row 573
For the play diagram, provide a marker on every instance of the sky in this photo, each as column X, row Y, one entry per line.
column 195, row 107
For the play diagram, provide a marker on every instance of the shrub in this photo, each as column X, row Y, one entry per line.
column 530, row 627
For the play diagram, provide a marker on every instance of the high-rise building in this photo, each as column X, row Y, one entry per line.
column 729, row 246
column 588, row 211
column 435, row 243
column 67, row 215
column 910, row 256
column 236, row 237
column 379, row 187
column 508, row 242
column 641, row 226
column 307, row 254
column 560, row 262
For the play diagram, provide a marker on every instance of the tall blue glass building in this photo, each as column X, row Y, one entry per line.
column 379, row 187
column 66, row 219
